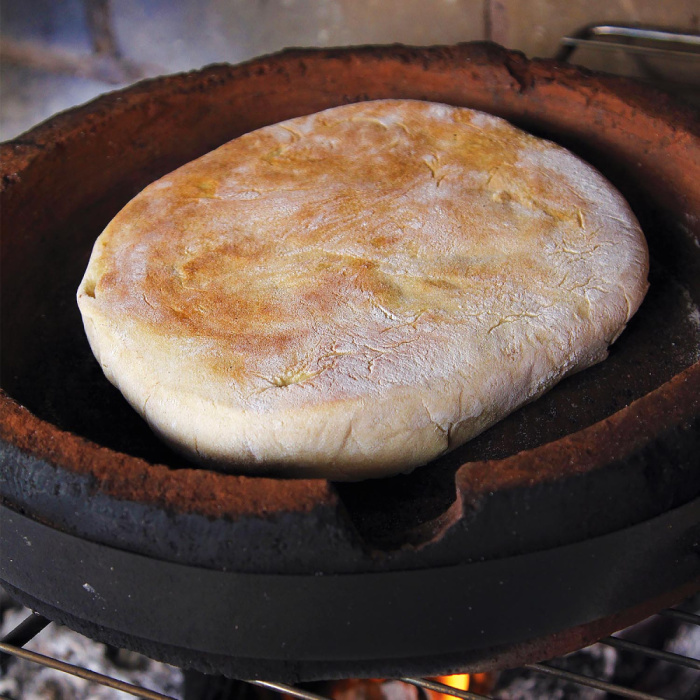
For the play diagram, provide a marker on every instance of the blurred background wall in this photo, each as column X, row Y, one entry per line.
column 58, row 53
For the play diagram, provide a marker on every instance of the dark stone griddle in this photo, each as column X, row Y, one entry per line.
column 607, row 450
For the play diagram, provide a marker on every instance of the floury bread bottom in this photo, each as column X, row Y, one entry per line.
column 352, row 293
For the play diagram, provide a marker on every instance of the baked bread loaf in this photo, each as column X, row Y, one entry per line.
column 352, row 293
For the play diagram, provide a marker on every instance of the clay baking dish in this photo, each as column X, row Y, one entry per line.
column 609, row 450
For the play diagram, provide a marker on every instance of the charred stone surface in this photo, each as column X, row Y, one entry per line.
column 613, row 446
column 575, row 449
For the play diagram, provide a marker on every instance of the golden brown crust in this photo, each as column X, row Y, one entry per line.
column 353, row 292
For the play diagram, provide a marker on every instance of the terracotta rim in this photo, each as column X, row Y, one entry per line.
column 215, row 495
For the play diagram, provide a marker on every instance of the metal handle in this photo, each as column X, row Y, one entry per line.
column 686, row 45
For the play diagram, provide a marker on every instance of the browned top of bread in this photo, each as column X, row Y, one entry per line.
column 353, row 292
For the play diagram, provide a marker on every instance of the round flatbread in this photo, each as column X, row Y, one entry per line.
column 352, row 293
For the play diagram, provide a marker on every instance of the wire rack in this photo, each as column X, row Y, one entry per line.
column 12, row 646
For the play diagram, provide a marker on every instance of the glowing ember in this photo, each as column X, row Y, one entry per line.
column 387, row 689
column 476, row 682
column 459, row 681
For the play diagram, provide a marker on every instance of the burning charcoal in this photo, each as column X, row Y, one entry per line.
column 526, row 685
column 365, row 689
column 655, row 676
column 595, row 661
column 396, row 690
column 25, row 680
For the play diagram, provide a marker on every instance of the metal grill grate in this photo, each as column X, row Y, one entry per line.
column 12, row 646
